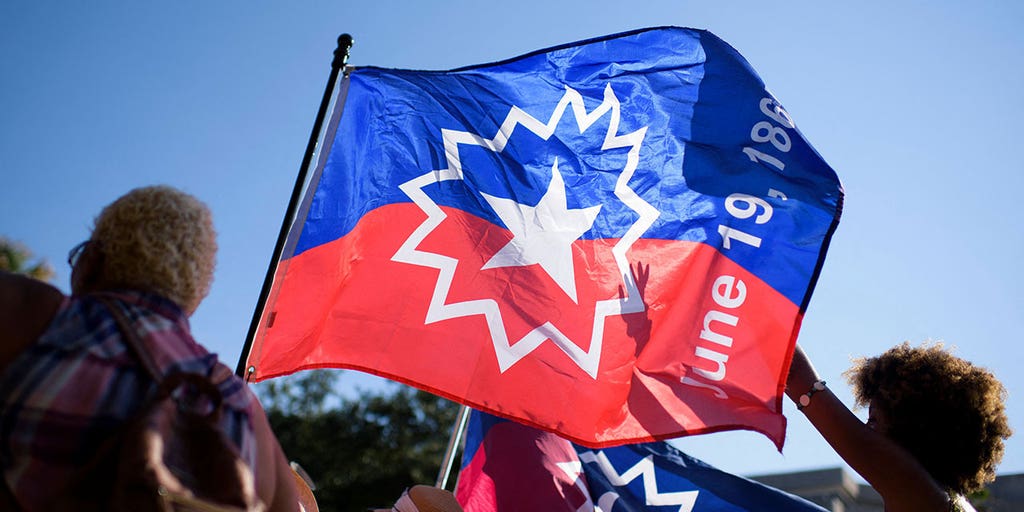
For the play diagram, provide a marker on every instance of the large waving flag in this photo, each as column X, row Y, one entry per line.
column 507, row 466
column 615, row 239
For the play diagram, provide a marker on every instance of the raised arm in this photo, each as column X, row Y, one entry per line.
column 901, row 480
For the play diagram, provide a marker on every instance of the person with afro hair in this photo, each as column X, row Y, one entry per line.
column 935, row 429
column 68, row 381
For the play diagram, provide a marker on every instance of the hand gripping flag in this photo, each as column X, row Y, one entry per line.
column 614, row 240
column 507, row 466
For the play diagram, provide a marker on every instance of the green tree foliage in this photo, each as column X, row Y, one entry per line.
column 979, row 500
column 16, row 258
column 305, row 394
column 360, row 452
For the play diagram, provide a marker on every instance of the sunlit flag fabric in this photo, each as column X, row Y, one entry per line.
column 507, row 466
column 614, row 239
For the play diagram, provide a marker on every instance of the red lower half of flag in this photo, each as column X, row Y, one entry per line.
column 677, row 339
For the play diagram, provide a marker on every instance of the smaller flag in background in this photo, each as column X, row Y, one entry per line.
column 511, row 467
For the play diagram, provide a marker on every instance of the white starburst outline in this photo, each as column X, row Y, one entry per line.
column 644, row 468
column 507, row 353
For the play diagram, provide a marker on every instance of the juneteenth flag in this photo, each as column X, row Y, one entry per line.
column 615, row 240
column 508, row 466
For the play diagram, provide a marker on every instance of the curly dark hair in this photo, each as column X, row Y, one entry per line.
column 947, row 412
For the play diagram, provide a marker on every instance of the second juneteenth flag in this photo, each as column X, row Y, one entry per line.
column 508, row 466
column 614, row 240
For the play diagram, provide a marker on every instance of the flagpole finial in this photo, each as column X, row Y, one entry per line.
column 341, row 53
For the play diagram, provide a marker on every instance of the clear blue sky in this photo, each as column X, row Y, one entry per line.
column 915, row 104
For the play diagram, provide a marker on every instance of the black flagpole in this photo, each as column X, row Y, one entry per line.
column 340, row 58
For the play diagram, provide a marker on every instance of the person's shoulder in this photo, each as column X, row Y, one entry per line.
column 235, row 391
column 26, row 308
column 19, row 290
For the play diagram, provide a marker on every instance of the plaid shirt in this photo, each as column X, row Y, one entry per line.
column 67, row 393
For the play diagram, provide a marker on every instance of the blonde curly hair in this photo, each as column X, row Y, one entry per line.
column 158, row 239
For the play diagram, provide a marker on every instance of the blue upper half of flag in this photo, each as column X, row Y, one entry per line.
column 668, row 130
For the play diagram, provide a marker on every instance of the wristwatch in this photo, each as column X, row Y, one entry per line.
column 805, row 399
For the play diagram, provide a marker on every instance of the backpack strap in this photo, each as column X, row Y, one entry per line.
column 166, row 384
column 131, row 338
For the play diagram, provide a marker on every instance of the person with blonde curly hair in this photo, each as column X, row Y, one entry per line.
column 935, row 429
column 68, row 381
column 156, row 239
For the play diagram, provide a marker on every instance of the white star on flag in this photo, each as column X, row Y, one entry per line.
column 532, row 243
column 543, row 234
